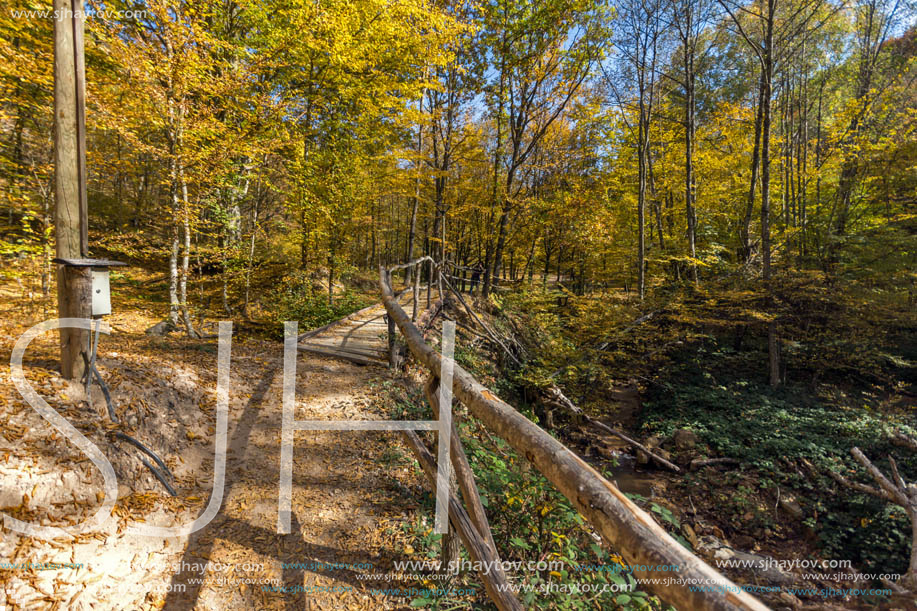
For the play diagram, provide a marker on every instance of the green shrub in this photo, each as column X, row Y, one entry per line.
column 297, row 299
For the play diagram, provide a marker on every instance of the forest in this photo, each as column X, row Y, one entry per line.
column 693, row 221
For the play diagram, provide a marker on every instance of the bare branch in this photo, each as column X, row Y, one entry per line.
column 843, row 481
column 893, row 494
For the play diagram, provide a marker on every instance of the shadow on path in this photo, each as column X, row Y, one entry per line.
column 287, row 549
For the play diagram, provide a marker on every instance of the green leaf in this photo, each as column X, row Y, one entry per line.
column 520, row 543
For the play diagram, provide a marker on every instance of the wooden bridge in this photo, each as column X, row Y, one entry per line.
column 360, row 337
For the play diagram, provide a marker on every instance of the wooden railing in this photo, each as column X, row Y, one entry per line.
column 631, row 531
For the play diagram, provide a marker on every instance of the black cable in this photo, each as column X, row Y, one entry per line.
column 104, row 387
column 146, row 450
column 93, row 370
column 158, row 475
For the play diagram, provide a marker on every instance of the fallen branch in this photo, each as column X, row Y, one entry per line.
column 557, row 397
column 470, row 330
column 554, row 394
column 493, row 336
column 659, row 459
column 894, row 490
column 428, row 316
column 491, row 440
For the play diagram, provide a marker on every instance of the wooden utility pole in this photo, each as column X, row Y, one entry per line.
column 70, row 221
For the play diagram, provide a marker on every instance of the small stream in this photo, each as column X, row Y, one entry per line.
column 629, row 480
column 621, row 411
column 627, row 475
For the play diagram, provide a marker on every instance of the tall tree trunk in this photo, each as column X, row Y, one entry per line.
column 641, row 204
column 529, row 269
column 439, row 201
column 871, row 39
column 251, row 256
column 767, row 77
column 690, row 214
column 332, row 262
column 657, row 206
column 803, row 181
column 547, row 263
column 412, row 230
column 174, row 303
column 490, row 260
column 755, row 161
column 304, row 241
column 186, row 255
column 501, row 235
column 373, row 259
column 818, row 152
column 233, row 230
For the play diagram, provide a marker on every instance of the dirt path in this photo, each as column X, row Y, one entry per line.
column 349, row 505
column 339, row 497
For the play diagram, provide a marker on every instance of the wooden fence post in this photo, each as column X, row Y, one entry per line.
column 391, row 332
